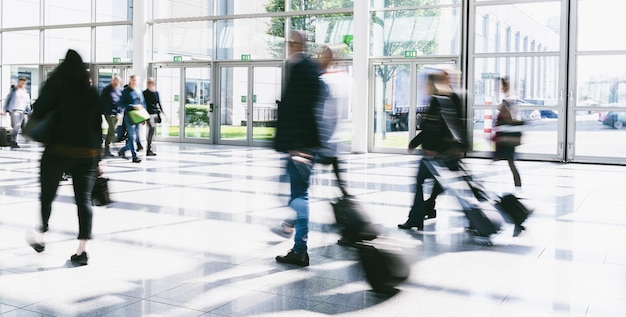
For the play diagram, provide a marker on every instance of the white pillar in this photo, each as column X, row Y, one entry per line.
column 360, row 73
column 141, row 40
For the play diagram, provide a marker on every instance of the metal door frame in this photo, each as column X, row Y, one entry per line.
column 413, row 63
column 181, row 101
column 216, row 129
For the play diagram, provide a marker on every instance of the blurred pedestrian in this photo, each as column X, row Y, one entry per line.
column 132, row 99
column 153, row 105
column 507, row 131
column 74, row 146
column 17, row 105
column 109, row 99
column 297, row 135
column 439, row 138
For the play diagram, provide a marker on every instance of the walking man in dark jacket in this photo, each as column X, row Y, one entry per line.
column 153, row 105
column 109, row 99
column 297, row 134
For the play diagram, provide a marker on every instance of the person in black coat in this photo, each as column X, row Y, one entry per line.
column 74, row 146
column 153, row 106
column 442, row 135
column 297, row 134
column 109, row 99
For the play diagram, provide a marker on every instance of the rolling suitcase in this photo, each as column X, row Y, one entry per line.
column 353, row 222
column 484, row 218
column 385, row 266
column 5, row 133
column 511, row 206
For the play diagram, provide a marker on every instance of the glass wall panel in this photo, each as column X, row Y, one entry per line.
column 392, row 90
column 377, row 4
column 230, row 7
column 164, row 9
column 20, row 47
column 601, row 106
column 334, row 29
column 191, row 40
column 530, row 27
column 535, row 90
column 252, row 37
column 20, row 13
column 197, row 100
column 233, row 103
column 433, row 31
column 266, row 90
column 114, row 41
column 302, row 5
column 58, row 41
column 113, row 10
column 167, row 82
column 597, row 20
column 66, row 12
column 10, row 75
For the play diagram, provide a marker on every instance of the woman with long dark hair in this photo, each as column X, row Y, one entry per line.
column 74, row 146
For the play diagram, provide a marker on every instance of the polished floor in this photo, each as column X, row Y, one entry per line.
column 188, row 235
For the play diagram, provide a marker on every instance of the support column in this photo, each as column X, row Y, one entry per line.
column 360, row 80
column 141, row 40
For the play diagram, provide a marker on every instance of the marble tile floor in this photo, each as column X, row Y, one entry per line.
column 188, row 235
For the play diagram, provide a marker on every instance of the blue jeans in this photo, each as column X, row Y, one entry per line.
column 131, row 132
column 84, row 172
column 300, row 179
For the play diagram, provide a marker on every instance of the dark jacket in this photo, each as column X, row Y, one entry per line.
column 130, row 98
column 109, row 99
column 77, row 113
column 442, row 128
column 153, row 103
column 296, row 127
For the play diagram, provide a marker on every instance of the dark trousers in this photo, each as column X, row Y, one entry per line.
column 84, row 172
column 418, row 210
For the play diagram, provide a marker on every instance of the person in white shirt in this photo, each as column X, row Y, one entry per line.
column 17, row 104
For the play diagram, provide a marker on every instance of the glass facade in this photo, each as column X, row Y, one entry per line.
column 564, row 72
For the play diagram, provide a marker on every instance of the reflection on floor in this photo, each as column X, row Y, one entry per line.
column 188, row 235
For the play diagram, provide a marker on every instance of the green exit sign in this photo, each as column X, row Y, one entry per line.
column 117, row 60
column 410, row 54
column 178, row 59
column 246, row 57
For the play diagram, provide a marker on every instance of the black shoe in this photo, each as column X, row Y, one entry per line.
column 107, row 153
column 300, row 259
column 431, row 212
column 410, row 224
column 150, row 153
column 39, row 247
column 139, row 147
column 518, row 230
column 120, row 153
column 136, row 160
column 80, row 259
column 15, row 145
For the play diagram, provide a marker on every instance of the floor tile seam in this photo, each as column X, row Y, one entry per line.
column 158, row 302
column 589, row 222
column 136, row 300
column 273, row 294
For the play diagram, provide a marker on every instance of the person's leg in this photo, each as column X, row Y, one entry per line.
column 138, row 137
column 16, row 123
column 417, row 212
column 516, row 178
column 84, row 173
column 151, row 132
column 50, row 171
column 131, row 133
column 299, row 171
column 112, row 122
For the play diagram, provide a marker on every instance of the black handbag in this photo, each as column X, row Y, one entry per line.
column 100, row 194
column 40, row 129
